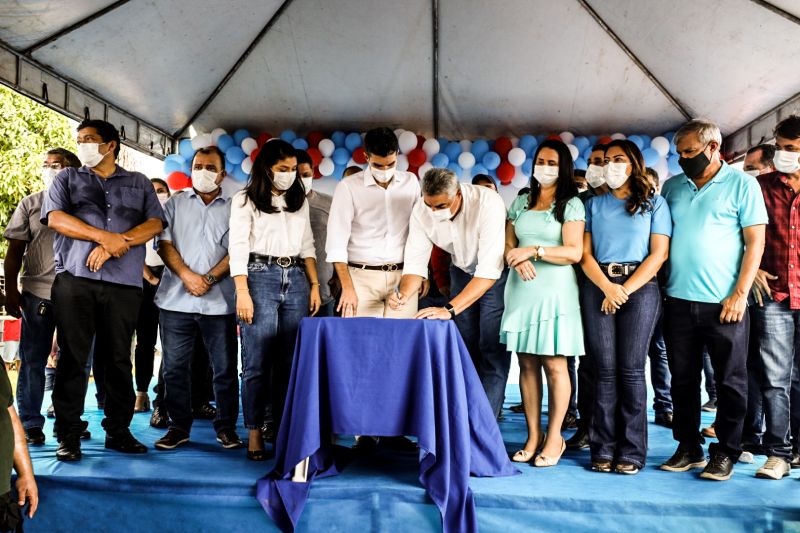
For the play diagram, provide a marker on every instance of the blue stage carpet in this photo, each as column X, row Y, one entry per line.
column 204, row 488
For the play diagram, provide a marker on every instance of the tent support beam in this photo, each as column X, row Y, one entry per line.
column 69, row 29
column 778, row 11
column 614, row 37
column 759, row 129
column 271, row 22
column 435, row 62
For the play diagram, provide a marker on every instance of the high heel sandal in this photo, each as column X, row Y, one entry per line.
column 542, row 461
column 524, row 456
column 257, row 455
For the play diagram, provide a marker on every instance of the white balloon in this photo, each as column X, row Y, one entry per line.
column 423, row 168
column 407, row 141
column 431, row 147
column 508, row 194
column 662, row 168
column 326, row 148
column 617, row 136
column 567, row 137
column 398, row 132
column 326, row 166
column 660, row 145
column 203, row 140
column 216, row 134
column 247, row 165
column 402, row 162
column 466, row 144
column 520, row 179
column 514, row 141
column 574, row 151
column 516, row 156
column 466, row 160
column 248, row 145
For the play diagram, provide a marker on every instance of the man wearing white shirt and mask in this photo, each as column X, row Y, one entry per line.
column 468, row 222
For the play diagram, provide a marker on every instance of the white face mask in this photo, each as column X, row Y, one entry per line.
column 283, row 180
column 441, row 215
column 204, row 181
column 786, row 162
column 163, row 197
column 382, row 176
column 307, row 183
column 615, row 174
column 594, row 176
column 89, row 154
column 47, row 176
column 545, row 175
column 754, row 172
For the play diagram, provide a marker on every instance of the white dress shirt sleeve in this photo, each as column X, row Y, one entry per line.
column 239, row 234
column 491, row 238
column 417, row 253
column 307, row 249
column 340, row 223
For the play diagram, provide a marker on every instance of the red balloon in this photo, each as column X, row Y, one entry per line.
column 254, row 154
column 414, row 170
column 420, row 141
column 317, row 173
column 313, row 138
column 178, row 181
column 502, row 146
column 262, row 139
column 416, row 157
column 604, row 140
column 360, row 156
column 505, row 172
column 554, row 138
column 316, row 156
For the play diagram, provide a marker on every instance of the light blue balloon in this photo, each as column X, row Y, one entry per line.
column 479, row 149
column 669, row 135
column 175, row 157
column 300, row 144
column 240, row 135
column 172, row 165
column 540, row 138
column 673, row 165
column 580, row 164
column 442, row 143
column 581, row 143
column 493, row 174
column 352, row 141
column 452, row 151
column 235, row 155
column 240, row 175
column 338, row 171
column 440, row 160
column 286, row 135
column 587, row 154
column 491, row 160
column 455, row 168
column 651, row 157
column 478, row 169
column 527, row 167
column 592, row 140
column 341, row 156
column 638, row 141
column 672, row 148
column 338, row 138
column 185, row 149
column 528, row 143
column 186, row 168
column 224, row 142
column 229, row 167
column 646, row 139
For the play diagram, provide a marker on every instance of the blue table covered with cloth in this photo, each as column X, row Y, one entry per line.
column 387, row 377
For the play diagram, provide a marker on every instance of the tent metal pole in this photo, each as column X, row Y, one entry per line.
column 614, row 37
column 435, row 61
column 271, row 22
column 84, row 21
column 778, row 11
column 733, row 145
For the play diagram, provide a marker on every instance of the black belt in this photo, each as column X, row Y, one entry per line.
column 283, row 262
column 616, row 270
column 389, row 267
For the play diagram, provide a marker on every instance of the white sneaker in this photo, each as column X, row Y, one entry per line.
column 747, row 457
column 774, row 468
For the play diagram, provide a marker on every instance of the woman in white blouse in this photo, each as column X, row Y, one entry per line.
column 272, row 260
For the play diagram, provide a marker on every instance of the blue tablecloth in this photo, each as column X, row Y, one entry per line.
column 369, row 376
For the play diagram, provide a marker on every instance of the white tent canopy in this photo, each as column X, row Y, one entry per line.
column 454, row 68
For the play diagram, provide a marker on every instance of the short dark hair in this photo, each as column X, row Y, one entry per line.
column 303, row 158
column 482, row 178
column 599, row 147
column 767, row 153
column 788, row 128
column 70, row 158
column 105, row 130
column 381, row 142
column 160, row 182
column 208, row 150
column 650, row 172
column 352, row 169
column 578, row 173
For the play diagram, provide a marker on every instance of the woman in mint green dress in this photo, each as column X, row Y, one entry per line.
column 542, row 318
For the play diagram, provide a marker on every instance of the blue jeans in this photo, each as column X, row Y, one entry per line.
column 778, row 327
column 34, row 348
column 659, row 371
column 754, row 426
column 280, row 301
column 178, row 334
column 619, row 347
column 708, row 376
column 479, row 325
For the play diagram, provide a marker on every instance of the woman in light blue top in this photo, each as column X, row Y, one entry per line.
column 626, row 242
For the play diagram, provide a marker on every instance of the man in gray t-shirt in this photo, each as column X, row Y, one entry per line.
column 30, row 249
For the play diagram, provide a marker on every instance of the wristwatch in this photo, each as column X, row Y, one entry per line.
column 211, row 279
column 538, row 253
column 450, row 309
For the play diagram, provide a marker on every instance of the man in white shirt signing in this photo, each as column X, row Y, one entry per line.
column 468, row 222
column 367, row 231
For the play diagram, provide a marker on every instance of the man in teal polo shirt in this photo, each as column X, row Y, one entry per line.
column 719, row 220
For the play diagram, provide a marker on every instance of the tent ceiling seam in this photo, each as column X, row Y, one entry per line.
column 778, row 11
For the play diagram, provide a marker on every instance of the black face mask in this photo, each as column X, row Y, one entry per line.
column 694, row 166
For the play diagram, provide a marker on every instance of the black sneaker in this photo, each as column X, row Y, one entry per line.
column 172, row 439
column 570, row 422
column 579, row 441
column 365, row 443
column 720, row 468
column 69, row 449
column 34, row 436
column 664, row 420
column 229, row 439
column 205, row 411
column 683, row 461
column 158, row 418
column 124, row 442
column 268, row 432
column 710, row 406
column 397, row 444
column 85, row 434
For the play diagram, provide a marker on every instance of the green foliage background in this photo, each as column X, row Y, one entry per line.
column 27, row 131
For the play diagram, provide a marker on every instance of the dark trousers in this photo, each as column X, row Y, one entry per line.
column 178, row 333
column 146, row 334
column 202, row 386
column 34, row 349
column 659, row 371
column 688, row 327
column 572, row 367
column 85, row 308
column 754, row 424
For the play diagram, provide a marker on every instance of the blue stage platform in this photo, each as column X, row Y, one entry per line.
column 203, row 488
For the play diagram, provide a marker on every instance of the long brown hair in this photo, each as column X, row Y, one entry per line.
column 641, row 198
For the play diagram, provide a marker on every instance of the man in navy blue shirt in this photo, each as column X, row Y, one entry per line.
column 102, row 215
